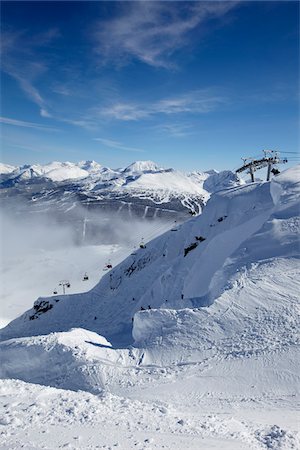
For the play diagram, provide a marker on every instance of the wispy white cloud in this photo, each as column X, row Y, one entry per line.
column 117, row 145
column 19, row 61
column 176, row 130
column 124, row 111
column 24, row 124
column 198, row 101
column 62, row 90
column 152, row 31
column 26, row 84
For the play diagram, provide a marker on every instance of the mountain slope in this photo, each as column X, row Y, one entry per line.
column 239, row 226
column 219, row 376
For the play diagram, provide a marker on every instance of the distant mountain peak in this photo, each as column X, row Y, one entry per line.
column 6, row 168
column 142, row 166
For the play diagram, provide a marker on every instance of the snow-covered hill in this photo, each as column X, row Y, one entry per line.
column 213, row 364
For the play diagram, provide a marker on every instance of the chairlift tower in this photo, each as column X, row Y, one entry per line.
column 64, row 284
column 270, row 159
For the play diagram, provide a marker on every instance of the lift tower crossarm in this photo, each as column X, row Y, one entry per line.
column 271, row 158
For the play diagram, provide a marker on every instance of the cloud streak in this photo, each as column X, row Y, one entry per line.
column 176, row 130
column 24, row 124
column 117, row 145
column 19, row 62
column 152, row 31
column 198, row 101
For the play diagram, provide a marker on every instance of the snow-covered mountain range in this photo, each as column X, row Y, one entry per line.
column 195, row 333
column 143, row 188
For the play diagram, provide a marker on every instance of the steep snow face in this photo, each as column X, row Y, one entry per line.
column 185, row 268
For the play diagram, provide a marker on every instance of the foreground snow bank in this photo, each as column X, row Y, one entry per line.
column 38, row 417
column 58, row 359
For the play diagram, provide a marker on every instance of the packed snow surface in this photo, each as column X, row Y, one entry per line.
column 211, row 362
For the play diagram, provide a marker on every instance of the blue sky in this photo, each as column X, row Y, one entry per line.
column 190, row 85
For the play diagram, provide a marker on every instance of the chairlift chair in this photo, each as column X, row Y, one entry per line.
column 174, row 228
column 142, row 244
column 85, row 278
column 55, row 292
column 107, row 266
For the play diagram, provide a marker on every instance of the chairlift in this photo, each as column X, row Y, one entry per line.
column 55, row 292
column 174, row 228
column 85, row 277
column 142, row 244
column 107, row 266
column 64, row 284
column 275, row 171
